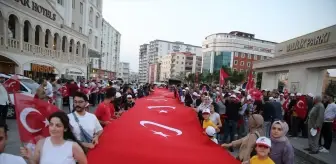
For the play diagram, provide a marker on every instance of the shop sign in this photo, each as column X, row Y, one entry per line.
column 72, row 72
column 308, row 42
column 258, row 49
column 42, row 68
column 37, row 8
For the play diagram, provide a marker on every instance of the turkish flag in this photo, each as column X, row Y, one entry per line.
column 222, row 76
column 12, row 85
column 250, row 81
column 255, row 94
column 32, row 117
column 301, row 107
column 285, row 105
column 153, row 132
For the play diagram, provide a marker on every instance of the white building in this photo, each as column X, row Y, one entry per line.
column 110, row 53
column 179, row 64
column 236, row 49
column 124, row 71
column 155, row 50
column 47, row 37
column 134, row 77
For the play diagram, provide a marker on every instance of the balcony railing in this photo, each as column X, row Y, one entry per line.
column 41, row 52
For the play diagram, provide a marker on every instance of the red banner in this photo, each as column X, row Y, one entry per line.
column 301, row 107
column 158, row 130
column 222, row 76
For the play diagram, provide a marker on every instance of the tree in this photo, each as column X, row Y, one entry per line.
column 331, row 89
column 259, row 79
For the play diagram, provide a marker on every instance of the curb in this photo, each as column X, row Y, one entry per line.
column 308, row 157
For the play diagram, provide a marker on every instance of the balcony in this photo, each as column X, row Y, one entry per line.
column 173, row 60
column 41, row 52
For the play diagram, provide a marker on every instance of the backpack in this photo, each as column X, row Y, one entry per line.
column 254, row 152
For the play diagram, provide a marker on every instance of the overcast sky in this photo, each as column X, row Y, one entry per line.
column 190, row 21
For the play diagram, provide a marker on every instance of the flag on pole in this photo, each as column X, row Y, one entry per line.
column 222, row 76
column 250, row 81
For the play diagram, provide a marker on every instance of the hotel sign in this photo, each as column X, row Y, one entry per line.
column 258, row 49
column 37, row 8
column 42, row 68
column 309, row 42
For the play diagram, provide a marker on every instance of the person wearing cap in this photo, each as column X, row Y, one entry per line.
column 206, row 120
column 129, row 103
column 263, row 148
column 211, row 132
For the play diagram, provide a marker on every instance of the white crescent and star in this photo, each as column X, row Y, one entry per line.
column 163, row 111
column 23, row 119
column 153, row 107
column 298, row 104
column 177, row 131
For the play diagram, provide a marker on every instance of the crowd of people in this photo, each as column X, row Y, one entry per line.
column 73, row 133
column 235, row 119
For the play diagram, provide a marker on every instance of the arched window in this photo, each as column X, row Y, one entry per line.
column 91, row 14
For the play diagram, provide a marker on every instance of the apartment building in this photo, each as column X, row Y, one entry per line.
column 236, row 49
column 110, row 53
column 179, row 64
column 157, row 49
column 124, row 71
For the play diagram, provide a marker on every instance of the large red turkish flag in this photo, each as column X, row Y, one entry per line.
column 157, row 132
column 32, row 117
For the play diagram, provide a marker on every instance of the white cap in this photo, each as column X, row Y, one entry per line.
column 237, row 91
column 248, row 97
column 281, row 94
column 118, row 95
column 298, row 94
column 310, row 95
column 292, row 94
column 186, row 88
column 183, row 90
column 270, row 98
column 207, row 110
column 85, row 85
column 264, row 141
column 233, row 96
column 217, row 88
column 210, row 131
column 129, row 96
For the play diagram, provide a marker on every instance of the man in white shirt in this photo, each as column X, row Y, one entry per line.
column 49, row 88
column 4, row 157
column 88, row 121
column 326, row 131
column 4, row 102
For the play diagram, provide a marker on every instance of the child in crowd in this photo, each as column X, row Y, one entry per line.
column 206, row 120
column 263, row 148
column 211, row 132
column 129, row 103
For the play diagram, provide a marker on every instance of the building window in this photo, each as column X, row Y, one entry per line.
column 96, row 42
column 242, row 63
column 243, row 55
column 80, row 29
column 60, row 2
column 72, row 25
column 81, row 8
column 236, row 54
column 91, row 14
column 235, row 62
column 73, row 4
column 234, row 70
column 97, row 18
column 255, row 57
column 249, row 56
column 241, row 70
column 248, row 64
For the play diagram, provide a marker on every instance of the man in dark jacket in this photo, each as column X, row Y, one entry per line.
column 269, row 114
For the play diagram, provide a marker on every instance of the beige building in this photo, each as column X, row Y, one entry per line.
column 305, row 59
column 46, row 37
column 124, row 71
column 179, row 64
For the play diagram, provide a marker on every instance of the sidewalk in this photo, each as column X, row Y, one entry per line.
column 321, row 158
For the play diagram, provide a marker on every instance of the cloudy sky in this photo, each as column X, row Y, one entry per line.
column 190, row 21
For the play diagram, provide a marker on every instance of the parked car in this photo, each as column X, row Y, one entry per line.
column 27, row 87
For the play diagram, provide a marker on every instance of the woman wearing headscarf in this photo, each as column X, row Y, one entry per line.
column 247, row 144
column 282, row 151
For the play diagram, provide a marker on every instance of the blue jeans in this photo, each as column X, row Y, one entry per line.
column 267, row 128
column 230, row 129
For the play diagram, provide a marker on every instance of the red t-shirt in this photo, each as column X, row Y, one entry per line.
column 103, row 112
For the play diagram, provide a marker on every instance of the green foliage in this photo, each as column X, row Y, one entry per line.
column 259, row 78
column 331, row 89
